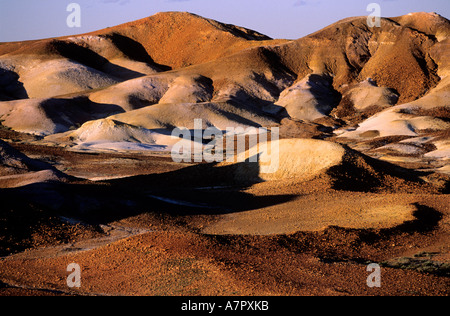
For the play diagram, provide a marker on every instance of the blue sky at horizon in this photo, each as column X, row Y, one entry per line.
column 35, row 19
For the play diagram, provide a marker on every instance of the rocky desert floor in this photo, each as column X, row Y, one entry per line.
column 149, row 236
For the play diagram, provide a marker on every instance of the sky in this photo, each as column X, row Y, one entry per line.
column 289, row 19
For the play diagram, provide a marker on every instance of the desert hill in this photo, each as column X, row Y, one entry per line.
column 163, row 71
column 180, row 39
column 391, row 55
column 99, row 59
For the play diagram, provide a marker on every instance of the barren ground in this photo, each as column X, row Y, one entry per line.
column 272, row 238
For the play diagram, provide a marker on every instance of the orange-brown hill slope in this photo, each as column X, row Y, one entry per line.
column 96, row 60
column 396, row 55
column 179, row 39
column 401, row 55
column 172, row 39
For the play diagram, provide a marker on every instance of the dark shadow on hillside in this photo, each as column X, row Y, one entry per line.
column 361, row 173
column 197, row 190
column 75, row 112
column 322, row 90
column 89, row 58
column 134, row 50
column 10, row 86
column 446, row 189
column 426, row 220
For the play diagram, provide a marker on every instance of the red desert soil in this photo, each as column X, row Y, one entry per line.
column 173, row 250
column 332, row 262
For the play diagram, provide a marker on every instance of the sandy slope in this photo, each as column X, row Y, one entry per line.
column 303, row 79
